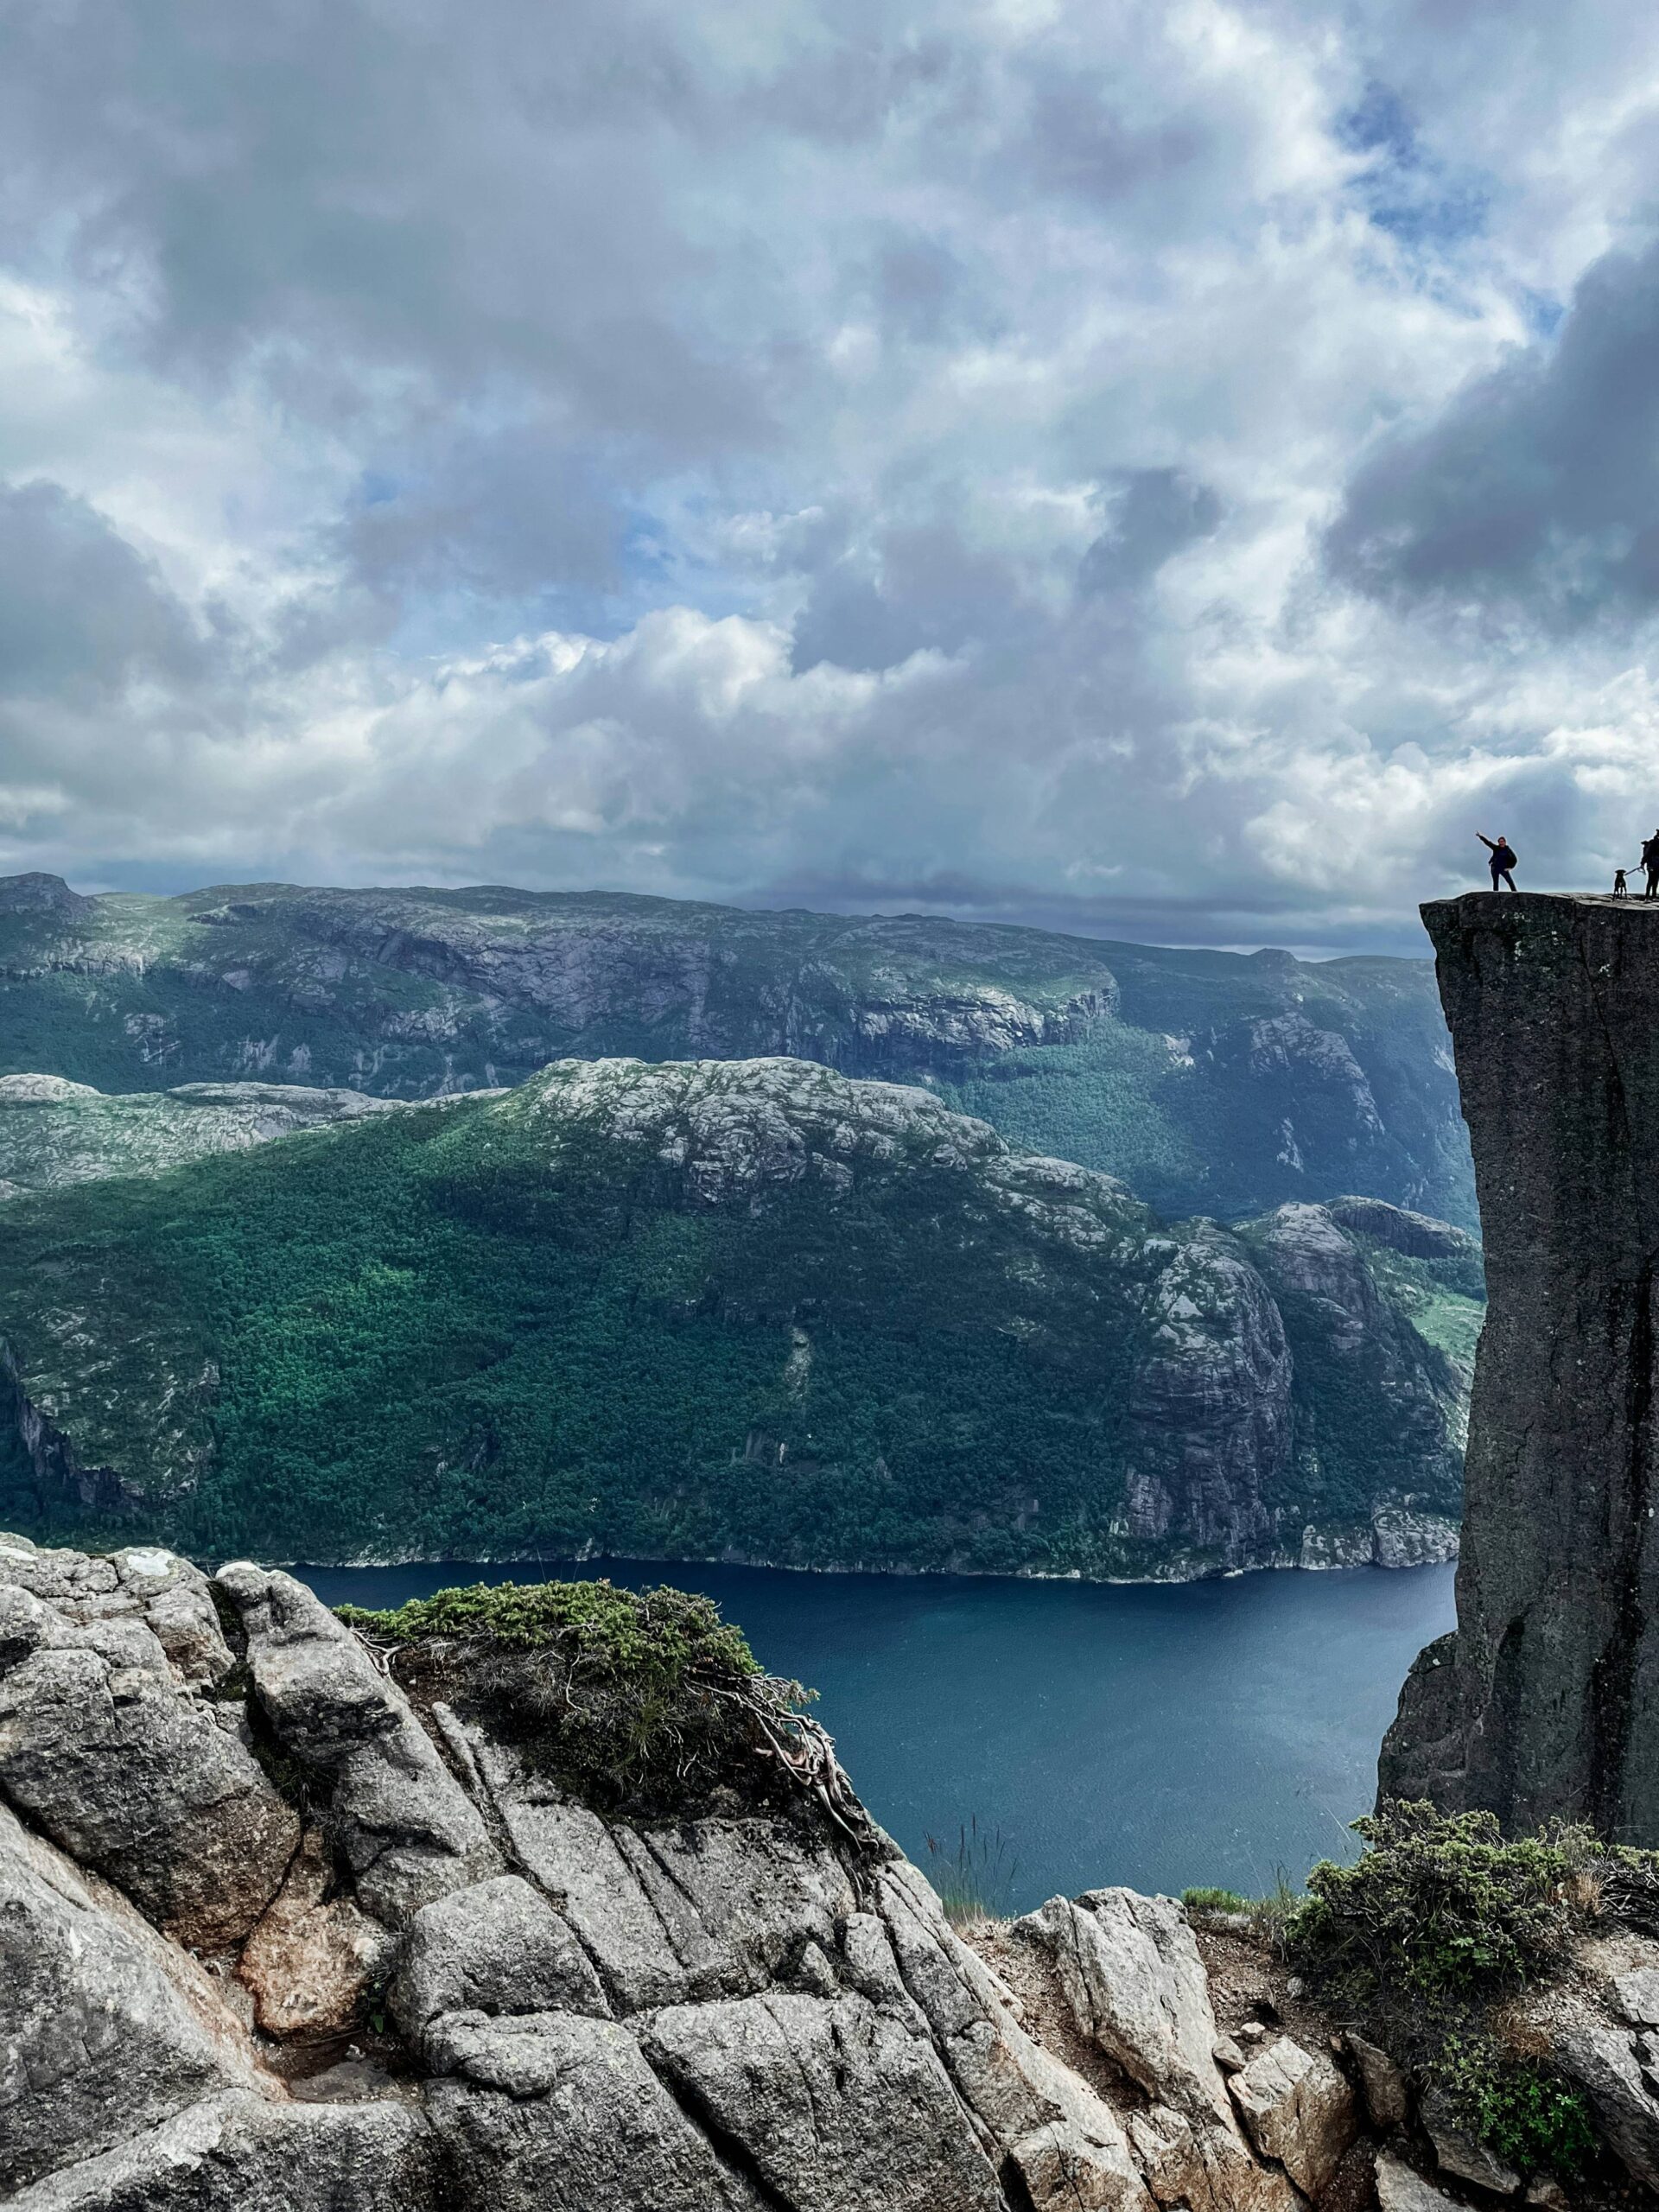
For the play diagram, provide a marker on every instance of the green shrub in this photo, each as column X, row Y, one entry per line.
column 648, row 1701
column 1440, row 1922
column 656, row 1636
column 1440, row 1903
column 1214, row 1901
column 1517, row 2106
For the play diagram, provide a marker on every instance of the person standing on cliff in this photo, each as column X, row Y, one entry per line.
column 1650, row 862
column 1504, row 857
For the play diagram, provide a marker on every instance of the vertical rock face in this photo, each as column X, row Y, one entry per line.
column 1546, row 1699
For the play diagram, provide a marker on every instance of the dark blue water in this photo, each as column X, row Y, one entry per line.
column 1205, row 1732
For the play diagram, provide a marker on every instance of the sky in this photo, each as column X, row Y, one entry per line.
column 1168, row 471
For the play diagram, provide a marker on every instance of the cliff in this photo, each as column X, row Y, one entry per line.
column 548, row 1898
column 716, row 1309
column 277, row 1930
column 1546, row 1699
column 1211, row 1082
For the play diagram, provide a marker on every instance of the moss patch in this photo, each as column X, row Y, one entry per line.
column 646, row 1701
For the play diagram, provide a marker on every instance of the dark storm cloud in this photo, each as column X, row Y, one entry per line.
column 397, row 185
column 932, row 589
column 1538, row 487
column 81, row 612
column 1156, row 512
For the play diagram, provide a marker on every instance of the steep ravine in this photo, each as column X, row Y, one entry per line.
column 1546, row 1702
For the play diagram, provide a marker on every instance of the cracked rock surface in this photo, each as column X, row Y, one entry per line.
column 447, row 1982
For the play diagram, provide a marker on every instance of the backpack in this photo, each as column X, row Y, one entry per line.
column 1650, row 853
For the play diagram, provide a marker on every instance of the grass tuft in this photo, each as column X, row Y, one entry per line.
column 974, row 1878
column 1202, row 1900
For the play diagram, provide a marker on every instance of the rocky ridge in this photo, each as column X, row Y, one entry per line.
column 278, row 1931
column 1212, row 1082
column 1268, row 1395
column 84, row 1134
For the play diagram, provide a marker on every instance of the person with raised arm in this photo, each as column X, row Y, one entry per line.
column 1502, row 857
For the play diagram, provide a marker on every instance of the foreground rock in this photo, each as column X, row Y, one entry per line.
column 474, row 1981
column 1299, row 2110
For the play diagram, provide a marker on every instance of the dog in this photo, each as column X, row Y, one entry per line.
column 1621, row 889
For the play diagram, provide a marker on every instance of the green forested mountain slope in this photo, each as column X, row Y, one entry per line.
column 1209, row 1082
column 752, row 1310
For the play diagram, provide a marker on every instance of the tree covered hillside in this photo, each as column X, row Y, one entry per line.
column 1209, row 1082
column 751, row 1309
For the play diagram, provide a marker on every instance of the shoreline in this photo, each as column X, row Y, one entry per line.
column 359, row 1564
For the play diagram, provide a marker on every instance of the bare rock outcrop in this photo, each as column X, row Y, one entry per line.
column 1131, row 1972
column 1300, row 2110
column 104, row 2026
column 309, row 1962
column 496, row 1948
column 408, row 1830
column 485, row 1978
column 832, row 2101
column 1546, row 1702
column 98, row 1746
column 238, row 2152
column 558, row 2109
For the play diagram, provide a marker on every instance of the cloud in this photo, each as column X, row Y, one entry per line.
column 1156, row 512
column 81, row 612
column 1537, row 488
column 1111, row 466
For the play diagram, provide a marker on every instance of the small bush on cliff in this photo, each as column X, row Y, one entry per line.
column 1514, row 2104
column 643, row 1699
column 1441, row 1901
column 1440, row 1921
column 655, row 1636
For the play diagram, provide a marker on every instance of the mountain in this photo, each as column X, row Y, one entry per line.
column 1209, row 1082
column 89, row 1135
column 751, row 1309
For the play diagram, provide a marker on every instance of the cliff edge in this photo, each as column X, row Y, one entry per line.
column 1546, row 1700
column 546, row 1898
column 560, row 1905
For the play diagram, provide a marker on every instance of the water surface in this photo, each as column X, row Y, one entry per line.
column 1162, row 1736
